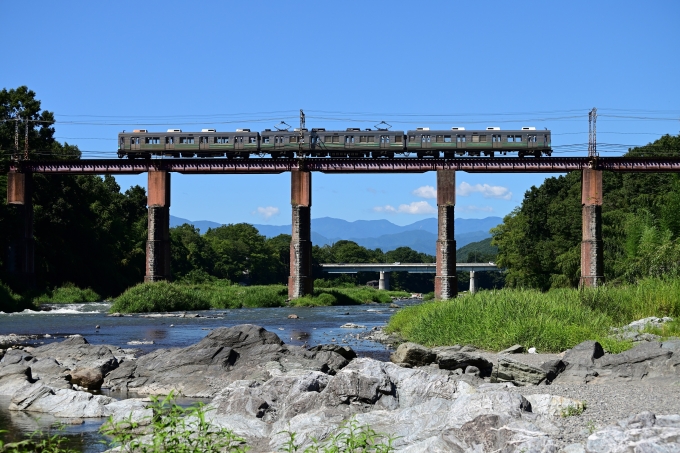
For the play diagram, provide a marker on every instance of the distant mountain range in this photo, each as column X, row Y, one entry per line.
column 383, row 234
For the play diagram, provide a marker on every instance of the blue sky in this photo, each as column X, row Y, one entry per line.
column 103, row 67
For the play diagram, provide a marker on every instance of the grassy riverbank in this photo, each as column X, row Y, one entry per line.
column 551, row 321
column 163, row 296
column 67, row 294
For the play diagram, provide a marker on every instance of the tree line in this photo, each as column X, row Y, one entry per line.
column 539, row 243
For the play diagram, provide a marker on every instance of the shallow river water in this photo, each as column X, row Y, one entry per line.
column 317, row 325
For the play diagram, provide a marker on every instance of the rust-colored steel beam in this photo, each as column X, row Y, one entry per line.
column 300, row 281
column 337, row 165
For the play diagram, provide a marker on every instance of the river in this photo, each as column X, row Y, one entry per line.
column 314, row 325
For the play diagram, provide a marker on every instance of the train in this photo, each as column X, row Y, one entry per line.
column 349, row 143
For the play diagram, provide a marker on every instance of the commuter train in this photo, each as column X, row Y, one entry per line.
column 352, row 142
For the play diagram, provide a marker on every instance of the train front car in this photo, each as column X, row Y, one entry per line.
column 458, row 141
column 141, row 143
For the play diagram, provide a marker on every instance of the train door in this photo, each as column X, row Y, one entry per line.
column 384, row 141
column 203, row 143
column 461, row 141
column 425, row 141
column 349, row 141
column 532, row 141
column 496, row 141
column 134, row 143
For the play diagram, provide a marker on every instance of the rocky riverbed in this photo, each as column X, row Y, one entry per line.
column 455, row 398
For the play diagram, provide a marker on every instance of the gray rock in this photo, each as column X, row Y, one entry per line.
column 551, row 405
column 413, row 354
column 89, row 378
column 14, row 377
column 584, row 354
column 517, row 372
column 516, row 349
column 225, row 355
column 639, row 433
column 553, row 368
column 453, row 360
column 644, row 360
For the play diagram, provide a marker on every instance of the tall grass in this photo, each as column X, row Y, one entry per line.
column 551, row 322
column 11, row 302
column 68, row 294
column 163, row 296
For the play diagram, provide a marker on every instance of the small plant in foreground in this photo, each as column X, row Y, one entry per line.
column 573, row 410
column 38, row 442
column 173, row 429
column 352, row 438
column 591, row 427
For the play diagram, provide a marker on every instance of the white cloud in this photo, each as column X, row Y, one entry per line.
column 425, row 192
column 465, row 189
column 473, row 208
column 416, row 207
column 266, row 212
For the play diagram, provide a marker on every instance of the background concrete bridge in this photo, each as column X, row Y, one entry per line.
column 300, row 281
column 413, row 268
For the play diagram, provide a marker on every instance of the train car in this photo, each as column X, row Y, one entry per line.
column 141, row 143
column 353, row 142
column 487, row 142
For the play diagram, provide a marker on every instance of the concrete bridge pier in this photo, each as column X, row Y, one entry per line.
column 445, row 280
column 300, row 281
column 384, row 282
column 473, row 284
column 21, row 259
column 592, row 268
column 158, row 240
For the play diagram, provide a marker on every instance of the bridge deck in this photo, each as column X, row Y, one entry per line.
column 333, row 165
column 414, row 268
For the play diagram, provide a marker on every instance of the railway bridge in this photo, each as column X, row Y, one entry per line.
column 300, row 281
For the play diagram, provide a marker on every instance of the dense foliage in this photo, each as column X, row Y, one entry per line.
column 540, row 241
column 86, row 231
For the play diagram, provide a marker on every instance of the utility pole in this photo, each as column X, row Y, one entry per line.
column 301, row 136
column 592, row 133
column 26, row 140
column 15, row 156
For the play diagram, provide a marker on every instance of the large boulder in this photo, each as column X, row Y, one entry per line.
column 509, row 370
column 413, row 354
column 225, row 355
column 455, row 360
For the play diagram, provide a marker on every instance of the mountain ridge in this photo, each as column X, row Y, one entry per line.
column 383, row 234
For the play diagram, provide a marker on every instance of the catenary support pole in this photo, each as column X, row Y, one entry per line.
column 445, row 280
column 384, row 282
column 592, row 274
column 22, row 251
column 300, row 281
column 158, row 241
column 473, row 284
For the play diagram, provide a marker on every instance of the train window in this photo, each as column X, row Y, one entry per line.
column 397, row 138
column 203, row 140
column 531, row 138
column 349, row 139
column 482, row 138
column 222, row 140
column 265, row 139
column 461, row 138
column 363, row 139
column 384, row 139
column 439, row 139
column 545, row 139
column 293, row 139
column 511, row 138
column 252, row 139
column 186, row 140
column 447, row 139
column 518, row 138
column 425, row 138
column 475, row 139
column 122, row 142
column 411, row 138
column 169, row 140
column 134, row 140
column 336, row 139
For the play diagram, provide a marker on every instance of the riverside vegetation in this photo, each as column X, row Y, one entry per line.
column 164, row 296
column 551, row 321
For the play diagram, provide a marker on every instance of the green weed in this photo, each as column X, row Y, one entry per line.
column 574, row 410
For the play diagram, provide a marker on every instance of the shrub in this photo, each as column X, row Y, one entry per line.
column 68, row 294
column 159, row 296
